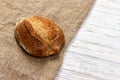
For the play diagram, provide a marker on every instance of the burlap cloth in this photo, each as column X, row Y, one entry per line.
column 15, row 64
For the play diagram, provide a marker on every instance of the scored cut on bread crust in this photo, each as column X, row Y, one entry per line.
column 39, row 36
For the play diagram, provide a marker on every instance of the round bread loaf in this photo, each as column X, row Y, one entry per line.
column 39, row 36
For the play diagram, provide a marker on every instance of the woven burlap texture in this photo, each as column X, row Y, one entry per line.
column 15, row 64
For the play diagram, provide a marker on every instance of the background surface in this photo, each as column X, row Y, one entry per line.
column 94, row 53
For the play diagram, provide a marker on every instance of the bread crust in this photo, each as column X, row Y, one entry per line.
column 39, row 36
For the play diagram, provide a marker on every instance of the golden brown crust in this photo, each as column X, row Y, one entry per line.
column 39, row 36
